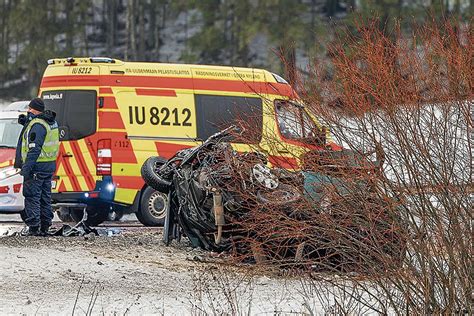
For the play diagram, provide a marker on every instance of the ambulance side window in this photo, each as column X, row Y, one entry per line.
column 215, row 113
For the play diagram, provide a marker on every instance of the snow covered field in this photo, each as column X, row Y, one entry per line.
column 134, row 273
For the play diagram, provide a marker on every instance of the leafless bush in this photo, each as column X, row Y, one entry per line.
column 221, row 291
column 391, row 213
column 395, row 206
column 409, row 101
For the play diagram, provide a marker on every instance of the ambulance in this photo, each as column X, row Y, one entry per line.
column 113, row 115
column 11, row 182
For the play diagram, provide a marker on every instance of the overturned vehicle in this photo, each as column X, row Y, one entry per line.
column 224, row 200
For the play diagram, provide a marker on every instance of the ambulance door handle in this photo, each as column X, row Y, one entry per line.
column 67, row 155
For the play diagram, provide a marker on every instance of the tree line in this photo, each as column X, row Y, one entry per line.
column 233, row 32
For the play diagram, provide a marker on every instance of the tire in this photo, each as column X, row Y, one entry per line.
column 64, row 215
column 153, row 206
column 95, row 216
column 284, row 194
column 152, row 179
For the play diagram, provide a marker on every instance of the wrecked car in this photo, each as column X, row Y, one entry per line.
column 224, row 200
column 203, row 190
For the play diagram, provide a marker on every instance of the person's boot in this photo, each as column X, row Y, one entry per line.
column 30, row 231
column 44, row 230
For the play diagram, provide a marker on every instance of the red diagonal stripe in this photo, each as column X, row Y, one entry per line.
column 82, row 165
column 62, row 187
column 68, row 169
column 283, row 162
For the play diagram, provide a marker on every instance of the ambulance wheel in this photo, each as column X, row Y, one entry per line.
column 114, row 216
column 153, row 207
column 95, row 216
column 117, row 216
column 149, row 174
column 64, row 215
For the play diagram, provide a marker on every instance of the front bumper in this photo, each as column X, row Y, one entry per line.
column 11, row 196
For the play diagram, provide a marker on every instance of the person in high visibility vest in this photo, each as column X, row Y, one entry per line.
column 36, row 154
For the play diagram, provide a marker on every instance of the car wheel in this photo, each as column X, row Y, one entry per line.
column 150, row 175
column 284, row 194
column 95, row 216
column 153, row 206
column 64, row 215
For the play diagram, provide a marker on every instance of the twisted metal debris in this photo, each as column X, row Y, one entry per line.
column 223, row 200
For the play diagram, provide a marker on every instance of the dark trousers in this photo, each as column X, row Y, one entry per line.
column 37, row 193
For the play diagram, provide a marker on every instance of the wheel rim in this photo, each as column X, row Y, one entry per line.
column 157, row 204
column 280, row 196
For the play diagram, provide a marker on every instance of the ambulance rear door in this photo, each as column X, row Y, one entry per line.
column 76, row 114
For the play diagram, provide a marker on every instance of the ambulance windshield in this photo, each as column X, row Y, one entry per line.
column 9, row 133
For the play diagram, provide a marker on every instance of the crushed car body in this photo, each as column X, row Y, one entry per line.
column 224, row 200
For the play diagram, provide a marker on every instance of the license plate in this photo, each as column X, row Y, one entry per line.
column 53, row 184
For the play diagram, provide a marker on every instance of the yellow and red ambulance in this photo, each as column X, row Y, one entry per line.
column 113, row 115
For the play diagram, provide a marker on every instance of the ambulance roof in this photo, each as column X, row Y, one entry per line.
column 144, row 68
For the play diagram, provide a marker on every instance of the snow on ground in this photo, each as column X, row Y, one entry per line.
column 134, row 273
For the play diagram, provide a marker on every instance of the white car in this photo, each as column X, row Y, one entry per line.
column 11, row 182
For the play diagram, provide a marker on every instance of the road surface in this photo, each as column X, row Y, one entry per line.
column 132, row 272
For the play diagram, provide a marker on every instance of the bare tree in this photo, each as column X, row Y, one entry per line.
column 418, row 117
column 141, row 31
column 111, row 23
column 131, row 46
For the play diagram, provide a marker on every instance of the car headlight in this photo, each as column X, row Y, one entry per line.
column 8, row 172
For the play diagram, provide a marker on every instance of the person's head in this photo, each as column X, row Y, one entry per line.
column 36, row 106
